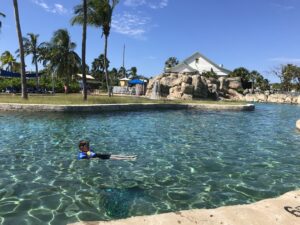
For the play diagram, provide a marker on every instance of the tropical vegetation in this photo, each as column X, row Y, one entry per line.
column 171, row 62
column 250, row 79
column 99, row 15
column 21, row 49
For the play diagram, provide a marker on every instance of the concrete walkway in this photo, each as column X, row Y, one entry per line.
column 284, row 210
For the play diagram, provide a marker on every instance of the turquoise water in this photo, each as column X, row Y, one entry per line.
column 186, row 160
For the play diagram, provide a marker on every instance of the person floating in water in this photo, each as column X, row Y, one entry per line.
column 87, row 153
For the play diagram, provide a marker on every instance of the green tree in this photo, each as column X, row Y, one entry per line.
column 99, row 15
column 31, row 47
column 114, row 76
column 290, row 77
column 133, row 72
column 21, row 49
column 98, row 68
column 60, row 56
column 1, row 15
column 7, row 59
column 171, row 62
column 122, row 72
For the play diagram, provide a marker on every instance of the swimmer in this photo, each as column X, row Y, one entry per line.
column 87, row 153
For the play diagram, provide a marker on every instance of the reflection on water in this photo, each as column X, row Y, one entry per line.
column 186, row 159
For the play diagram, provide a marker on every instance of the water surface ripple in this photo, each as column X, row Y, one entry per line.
column 186, row 160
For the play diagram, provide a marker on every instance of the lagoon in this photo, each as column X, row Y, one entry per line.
column 186, row 159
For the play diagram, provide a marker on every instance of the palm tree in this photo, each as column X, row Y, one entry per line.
column 31, row 47
column 133, row 72
column 84, row 49
column 8, row 59
column 99, row 15
column 3, row 15
column 19, row 32
column 60, row 57
column 107, row 11
column 98, row 67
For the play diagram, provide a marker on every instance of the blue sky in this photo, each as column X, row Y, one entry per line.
column 256, row 34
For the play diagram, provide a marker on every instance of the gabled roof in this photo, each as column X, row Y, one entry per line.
column 198, row 55
column 87, row 76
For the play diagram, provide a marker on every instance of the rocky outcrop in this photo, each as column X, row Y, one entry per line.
column 196, row 86
column 189, row 86
column 298, row 124
column 272, row 98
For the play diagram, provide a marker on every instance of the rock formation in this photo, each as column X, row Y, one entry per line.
column 187, row 86
column 298, row 124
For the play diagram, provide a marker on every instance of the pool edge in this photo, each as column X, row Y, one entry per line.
column 280, row 210
column 119, row 107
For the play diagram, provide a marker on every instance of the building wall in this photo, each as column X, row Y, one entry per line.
column 204, row 66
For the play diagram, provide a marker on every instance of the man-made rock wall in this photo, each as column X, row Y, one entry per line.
column 272, row 98
column 195, row 86
column 192, row 86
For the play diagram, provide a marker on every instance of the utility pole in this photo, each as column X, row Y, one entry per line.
column 124, row 61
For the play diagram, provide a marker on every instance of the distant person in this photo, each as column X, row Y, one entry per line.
column 87, row 153
column 66, row 89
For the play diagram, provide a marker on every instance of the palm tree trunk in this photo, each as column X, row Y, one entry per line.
column 19, row 32
column 105, row 67
column 36, row 73
column 84, row 50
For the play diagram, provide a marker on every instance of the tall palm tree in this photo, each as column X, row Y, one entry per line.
column 60, row 57
column 84, row 49
column 31, row 47
column 99, row 15
column 1, row 15
column 19, row 32
column 8, row 59
column 107, row 11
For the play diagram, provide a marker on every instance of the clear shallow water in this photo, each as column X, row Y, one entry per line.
column 186, row 159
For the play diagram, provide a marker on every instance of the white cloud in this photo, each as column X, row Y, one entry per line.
column 133, row 25
column 134, row 3
column 56, row 8
column 284, row 7
column 285, row 60
column 153, row 4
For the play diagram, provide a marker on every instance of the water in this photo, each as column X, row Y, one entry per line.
column 156, row 90
column 186, row 159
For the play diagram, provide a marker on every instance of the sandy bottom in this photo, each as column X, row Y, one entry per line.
column 284, row 210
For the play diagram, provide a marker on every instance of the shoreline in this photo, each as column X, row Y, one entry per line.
column 274, row 211
column 120, row 107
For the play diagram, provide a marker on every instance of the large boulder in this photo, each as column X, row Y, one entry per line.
column 200, row 86
column 187, row 97
column 298, row 124
column 224, row 84
column 234, row 83
column 187, row 79
column 235, row 95
column 187, row 88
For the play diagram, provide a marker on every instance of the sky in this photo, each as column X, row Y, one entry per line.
column 255, row 34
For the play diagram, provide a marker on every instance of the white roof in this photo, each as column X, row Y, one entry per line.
column 87, row 76
column 124, row 78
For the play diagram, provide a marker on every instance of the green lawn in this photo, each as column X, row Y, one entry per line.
column 76, row 99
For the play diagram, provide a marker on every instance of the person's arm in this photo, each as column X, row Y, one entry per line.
column 82, row 155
